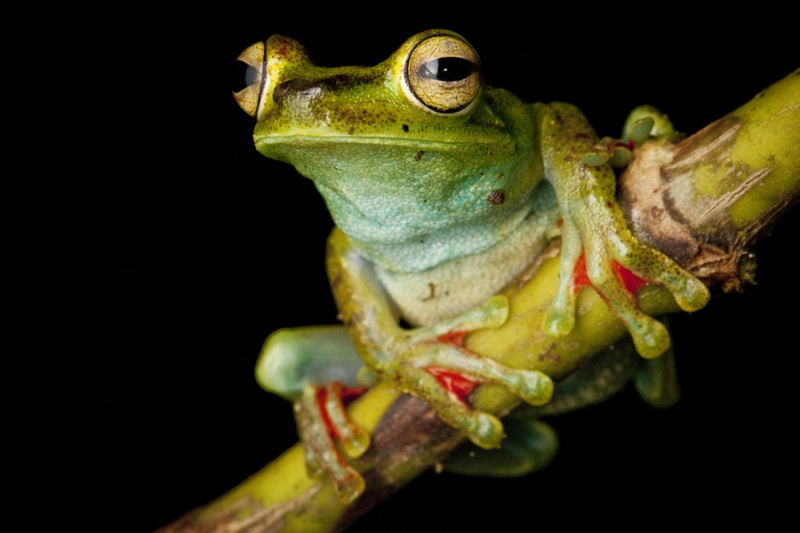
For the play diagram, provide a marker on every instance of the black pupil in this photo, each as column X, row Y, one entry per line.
column 449, row 68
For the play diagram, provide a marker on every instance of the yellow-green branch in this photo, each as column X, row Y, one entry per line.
column 702, row 201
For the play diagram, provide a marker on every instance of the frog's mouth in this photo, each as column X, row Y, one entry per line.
column 489, row 146
column 382, row 156
column 371, row 139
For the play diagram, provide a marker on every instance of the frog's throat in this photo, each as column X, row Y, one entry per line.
column 419, row 253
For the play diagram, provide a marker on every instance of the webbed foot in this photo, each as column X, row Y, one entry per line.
column 321, row 423
column 318, row 369
column 431, row 362
column 598, row 249
column 643, row 123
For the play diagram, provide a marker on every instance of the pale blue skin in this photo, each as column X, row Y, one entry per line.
column 444, row 190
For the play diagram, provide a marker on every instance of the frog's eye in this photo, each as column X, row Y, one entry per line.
column 256, row 78
column 443, row 74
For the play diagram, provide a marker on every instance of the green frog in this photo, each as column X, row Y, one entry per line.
column 443, row 190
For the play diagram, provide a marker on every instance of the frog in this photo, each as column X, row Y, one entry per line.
column 443, row 190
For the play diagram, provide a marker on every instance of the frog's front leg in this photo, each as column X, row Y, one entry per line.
column 428, row 362
column 598, row 249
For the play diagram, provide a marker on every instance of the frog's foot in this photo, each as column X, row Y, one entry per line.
column 646, row 122
column 643, row 123
column 617, row 266
column 432, row 363
column 293, row 364
column 322, row 422
column 597, row 248
column 529, row 445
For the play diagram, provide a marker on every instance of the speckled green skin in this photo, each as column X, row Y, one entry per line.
column 414, row 191
column 394, row 174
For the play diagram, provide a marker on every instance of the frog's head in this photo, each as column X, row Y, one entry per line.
column 396, row 141
column 433, row 81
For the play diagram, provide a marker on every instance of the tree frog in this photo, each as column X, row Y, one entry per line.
column 443, row 190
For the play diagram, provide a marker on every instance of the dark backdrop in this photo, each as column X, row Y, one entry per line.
column 178, row 248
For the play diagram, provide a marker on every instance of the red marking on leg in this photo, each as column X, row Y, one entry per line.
column 454, row 382
column 580, row 278
column 453, row 337
column 347, row 394
column 322, row 398
column 628, row 279
column 330, row 428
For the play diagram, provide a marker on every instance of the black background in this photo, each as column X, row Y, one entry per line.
column 178, row 248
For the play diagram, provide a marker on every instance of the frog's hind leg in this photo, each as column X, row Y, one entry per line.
column 619, row 268
column 321, row 421
column 317, row 368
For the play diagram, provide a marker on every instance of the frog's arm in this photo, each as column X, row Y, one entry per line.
column 598, row 249
column 428, row 362
column 313, row 365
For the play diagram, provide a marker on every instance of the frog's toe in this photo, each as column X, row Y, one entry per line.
column 492, row 314
column 353, row 438
column 650, row 336
column 640, row 129
column 646, row 122
column 484, row 429
column 690, row 293
column 533, row 387
column 321, row 421
column 558, row 320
